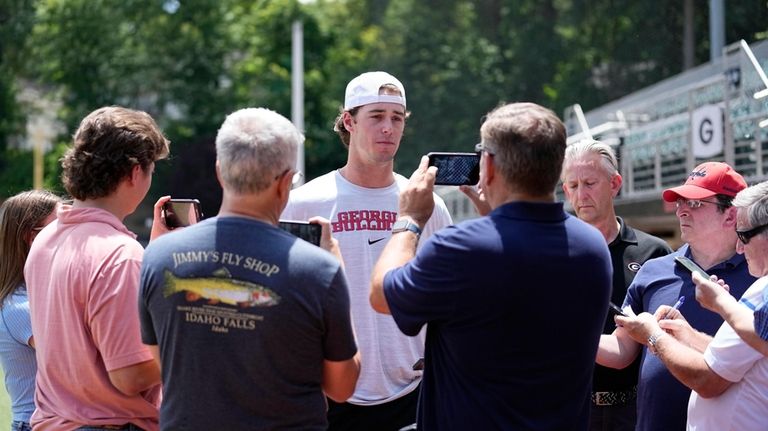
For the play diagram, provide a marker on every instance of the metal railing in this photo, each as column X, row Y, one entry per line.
column 651, row 129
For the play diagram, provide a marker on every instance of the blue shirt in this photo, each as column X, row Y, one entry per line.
column 761, row 319
column 662, row 401
column 514, row 305
column 16, row 356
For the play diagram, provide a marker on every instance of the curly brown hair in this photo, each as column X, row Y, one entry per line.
column 108, row 144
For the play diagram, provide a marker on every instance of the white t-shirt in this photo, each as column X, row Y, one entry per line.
column 362, row 219
column 743, row 406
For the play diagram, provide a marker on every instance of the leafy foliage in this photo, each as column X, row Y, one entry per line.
column 191, row 62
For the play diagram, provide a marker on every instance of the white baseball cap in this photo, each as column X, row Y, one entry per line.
column 364, row 90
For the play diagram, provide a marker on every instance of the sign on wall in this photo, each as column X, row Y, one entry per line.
column 707, row 131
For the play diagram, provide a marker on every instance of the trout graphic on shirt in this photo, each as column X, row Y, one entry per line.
column 221, row 287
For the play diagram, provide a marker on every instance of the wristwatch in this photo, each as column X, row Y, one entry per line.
column 653, row 340
column 403, row 225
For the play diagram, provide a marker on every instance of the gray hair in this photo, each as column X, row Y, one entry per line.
column 590, row 146
column 253, row 147
column 754, row 200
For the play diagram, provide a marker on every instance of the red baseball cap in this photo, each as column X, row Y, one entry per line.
column 706, row 180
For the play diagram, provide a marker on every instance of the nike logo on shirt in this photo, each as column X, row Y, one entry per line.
column 375, row 240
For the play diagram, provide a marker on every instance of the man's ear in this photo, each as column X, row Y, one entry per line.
column 490, row 169
column 285, row 184
column 218, row 173
column 348, row 120
column 730, row 218
column 616, row 182
column 137, row 173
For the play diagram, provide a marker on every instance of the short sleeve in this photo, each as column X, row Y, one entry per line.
column 148, row 335
column 634, row 297
column 15, row 313
column 113, row 319
column 425, row 289
column 761, row 321
column 339, row 339
column 729, row 356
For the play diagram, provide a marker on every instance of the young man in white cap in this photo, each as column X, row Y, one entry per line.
column 361, row 201
column 707, row 224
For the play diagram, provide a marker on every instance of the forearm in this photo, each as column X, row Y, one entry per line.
column 699, row 341
column 340, row 378
column 399, row 250
column 134, row 379
column 689, row 367
column 616, row 351
column 743, row 322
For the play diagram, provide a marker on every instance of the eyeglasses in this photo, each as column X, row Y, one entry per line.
column 480, row 147
column 296, row 179
column 746, row 235
column 693, row 203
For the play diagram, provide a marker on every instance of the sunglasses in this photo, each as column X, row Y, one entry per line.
column 746, row 235
column 693, row 203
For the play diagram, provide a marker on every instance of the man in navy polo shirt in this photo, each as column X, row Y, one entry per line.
column 493, row 291
column 707, row 225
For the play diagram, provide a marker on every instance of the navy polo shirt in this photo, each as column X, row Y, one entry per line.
column 514, row 305
column 662, row 401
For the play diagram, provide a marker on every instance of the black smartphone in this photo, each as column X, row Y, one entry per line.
column 181, row 212
column 616, row 309
column 691, row 266
column 455, row 169
column 309, row 232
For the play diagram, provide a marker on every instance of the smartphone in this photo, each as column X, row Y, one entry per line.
column 691, row 266
column 309, row 232
column 616, row 309
column 455, row 169
column 181, row 212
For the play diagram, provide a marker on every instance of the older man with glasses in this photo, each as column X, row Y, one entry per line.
column 729, row 378
column 751, row 326
column 707, row 225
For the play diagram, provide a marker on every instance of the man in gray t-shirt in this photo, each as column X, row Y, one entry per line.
column 251, row 325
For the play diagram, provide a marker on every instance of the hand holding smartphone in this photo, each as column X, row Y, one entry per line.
column 309, row 232
column 616, row 309
column 691, row 266
column 455, row 169
column 181, row 213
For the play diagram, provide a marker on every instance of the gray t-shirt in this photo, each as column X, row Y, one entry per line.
column 244, row 315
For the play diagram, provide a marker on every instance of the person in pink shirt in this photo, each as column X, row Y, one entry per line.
column 83, row 275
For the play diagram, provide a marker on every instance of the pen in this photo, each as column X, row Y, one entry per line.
column 677, row 306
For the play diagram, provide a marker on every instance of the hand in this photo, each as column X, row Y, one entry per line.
column 158, row 223
column 640, row 327
column 712, row 294
column 416, row 201
column 476, row 195
column 667, row 312
column 327, row 241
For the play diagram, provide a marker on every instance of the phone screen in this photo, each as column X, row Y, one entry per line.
column 181, row 212
column 309, row 232
column 691, row 266
column 455, row 169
